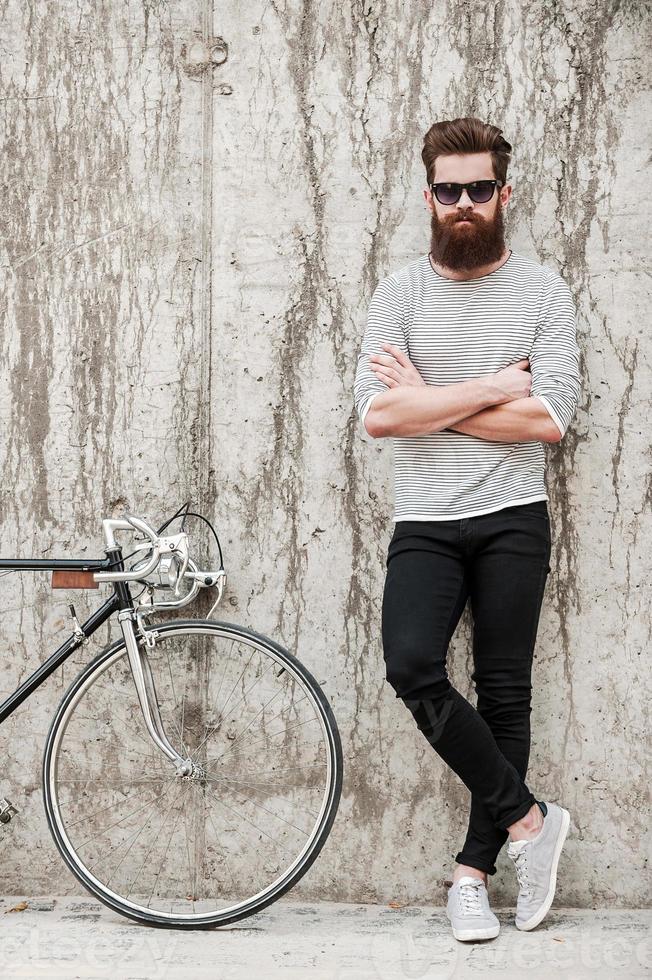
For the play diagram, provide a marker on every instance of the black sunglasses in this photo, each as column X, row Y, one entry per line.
column 480, row 191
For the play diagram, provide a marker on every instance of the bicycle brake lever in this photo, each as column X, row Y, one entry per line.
column 184, row 565
column 177, row 590
column 145, row 545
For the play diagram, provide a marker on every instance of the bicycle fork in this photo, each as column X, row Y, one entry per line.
column 144, row 680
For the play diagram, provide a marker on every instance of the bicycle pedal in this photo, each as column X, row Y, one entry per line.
column 7, row 811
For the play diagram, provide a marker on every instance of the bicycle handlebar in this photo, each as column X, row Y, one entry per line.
column 174, row 545
column 128, row 523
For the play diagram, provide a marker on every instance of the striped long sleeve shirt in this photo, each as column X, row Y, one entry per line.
column 456, row 330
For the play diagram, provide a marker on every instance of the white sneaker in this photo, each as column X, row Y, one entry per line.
column 536, row 863
column 469, row 912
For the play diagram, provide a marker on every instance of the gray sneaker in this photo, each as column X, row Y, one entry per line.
column 469, row 912
column 536, row 863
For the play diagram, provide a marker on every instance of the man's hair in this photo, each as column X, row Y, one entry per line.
column 465, row 135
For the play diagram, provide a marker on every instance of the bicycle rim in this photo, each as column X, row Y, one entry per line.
column 222, row 844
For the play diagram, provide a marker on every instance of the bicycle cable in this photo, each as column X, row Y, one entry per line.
column 201, row 517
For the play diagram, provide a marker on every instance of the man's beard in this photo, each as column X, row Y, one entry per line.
column 467, row 247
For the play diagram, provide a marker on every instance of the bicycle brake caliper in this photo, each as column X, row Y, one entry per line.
column 7, row 811
column 149, row 636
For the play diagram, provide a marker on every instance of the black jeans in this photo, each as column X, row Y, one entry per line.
column 501, row 561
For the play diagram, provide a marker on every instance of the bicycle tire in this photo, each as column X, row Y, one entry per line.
column 109, row 655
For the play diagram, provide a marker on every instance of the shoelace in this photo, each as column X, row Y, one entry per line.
column 520, row 860
column 470, row 898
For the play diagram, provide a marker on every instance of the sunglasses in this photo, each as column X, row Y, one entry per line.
column 480, row 191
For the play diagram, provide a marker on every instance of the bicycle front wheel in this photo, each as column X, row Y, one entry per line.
column 212, row 847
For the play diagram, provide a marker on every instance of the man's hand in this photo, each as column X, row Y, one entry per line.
column 395, row 368
column 515, row 380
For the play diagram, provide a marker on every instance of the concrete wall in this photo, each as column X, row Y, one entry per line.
column 187, row 258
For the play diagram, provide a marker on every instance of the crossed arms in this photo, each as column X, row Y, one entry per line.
column 476, row 407
column 532, row 399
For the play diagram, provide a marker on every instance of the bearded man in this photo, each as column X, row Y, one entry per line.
column 470, row 363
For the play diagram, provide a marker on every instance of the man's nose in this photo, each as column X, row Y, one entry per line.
column 465, row 201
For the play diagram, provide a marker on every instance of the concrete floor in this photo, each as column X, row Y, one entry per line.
column 78, row 937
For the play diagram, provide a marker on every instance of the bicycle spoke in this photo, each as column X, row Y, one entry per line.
column 226, row 860
column 243, row 816
column 174, row 698
column 134, row 837
column 273, row 735
column 274, row 814
column 309, row 765
column 203, row 741
column 151, row 848
column 110, row 806
column 268, row 720
column 160, row 867
column 214, row 778
column 251, row 657
column 226, row 665
column 117, row 822
column 72, row 780
column 143, row 737
column 249, row 725
column 241, row 782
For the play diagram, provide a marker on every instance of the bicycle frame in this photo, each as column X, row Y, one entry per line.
column 121, row 602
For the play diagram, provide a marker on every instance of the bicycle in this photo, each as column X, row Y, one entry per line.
column 193, row 769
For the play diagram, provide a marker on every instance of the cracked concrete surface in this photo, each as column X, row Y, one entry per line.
column 59, row 938
column 166, row 335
